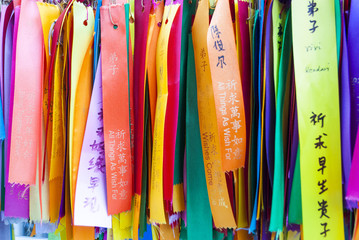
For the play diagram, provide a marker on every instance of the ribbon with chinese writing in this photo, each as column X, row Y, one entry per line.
column 90, row 199
column 199, row 217
column 315, row 63
column 215, row 178
column 81, row 84
column 227, row 88
column 115, row 87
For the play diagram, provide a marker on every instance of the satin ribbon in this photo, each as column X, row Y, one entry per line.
column 345, row 118
column 16, row 195
column 319, row 135
column 27, row 97
column 277, row 211
column 97, row 37
column 199, row 219
column 141, row 12
column 171, row 119
column 7, row 15
column 352, row 190
column 90, row 199
column 116, row 119
column 227, row 89
column 215, row 178
column 162, row 56
column 188, row 10
column 79, row 98
column 151, row 58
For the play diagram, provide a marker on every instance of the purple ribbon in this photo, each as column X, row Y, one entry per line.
column 16, row 196
column 269, row 101
column 345, row 106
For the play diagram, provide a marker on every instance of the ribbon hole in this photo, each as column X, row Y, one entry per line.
column 115, row 26
column 85, row 22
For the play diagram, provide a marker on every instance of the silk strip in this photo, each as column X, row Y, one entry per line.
column 156, row 199
column 318, row 121
column 215, row 177
column 116, row 117
column 227, row 88
column 27, row 96
column 79, row 99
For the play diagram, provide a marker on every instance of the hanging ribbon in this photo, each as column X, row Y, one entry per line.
column 199, row 218
column 14, row 206
column 277, row 211
column 215, row 177
column 90, row 199
column 318, row 121
column 27, row 97
column 157, row 176
column 116, row 117
column 227, row 88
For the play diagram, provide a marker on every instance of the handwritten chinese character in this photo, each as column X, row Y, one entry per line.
column 204, row 65
column 325, row 230
column 99, row 131
column 317, row 118
column 322, row 161
column 214, row 149
column 320, row 143
column 100, row 115
column 99, row 165
column 215, row 32
column 211, row 136
column 97, row 146
column 24, row 194
column 221, row 61
column 280, row 30
column 203, row 53
column 323, row 208
column 279, row 46
column 323, row 188
column 314, row 22
column 218, row 45
column 91, row 202
column 312, row 8
column 94, row 181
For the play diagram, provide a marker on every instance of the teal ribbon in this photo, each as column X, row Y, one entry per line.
column 199, row 217
column 277, row 214
column 189, row 9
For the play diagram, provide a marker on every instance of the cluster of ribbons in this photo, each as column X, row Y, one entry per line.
column 180, row 119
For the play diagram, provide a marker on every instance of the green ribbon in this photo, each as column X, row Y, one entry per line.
column 277, row 214
column 199, row 217
column 143, row 218
column 295, row 202
column 189, row 9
